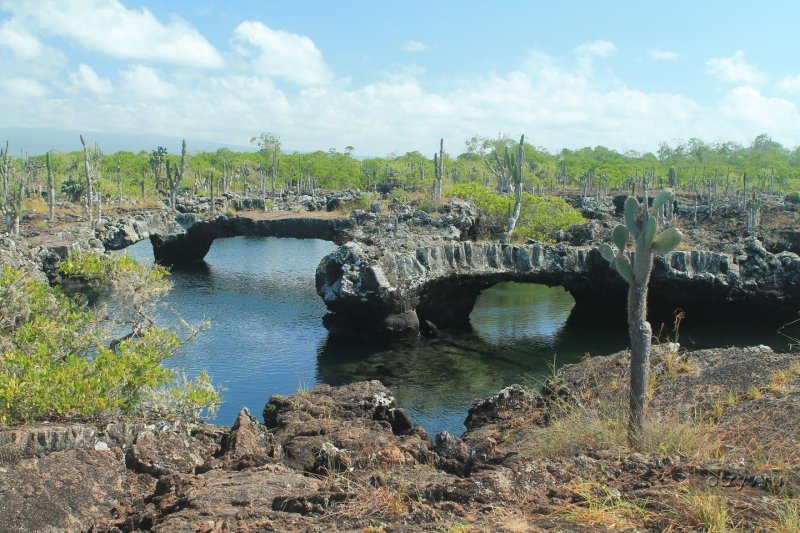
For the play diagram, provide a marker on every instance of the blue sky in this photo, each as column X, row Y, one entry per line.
column 394, row 77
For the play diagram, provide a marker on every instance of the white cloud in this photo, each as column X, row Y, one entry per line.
column 598, row 48
column 589, row 51
column 21, row 42
column 746, row 108
column 735, row 69
column 108, row 27
column 22, row 53
column 87, row 78
column 22, row 89
column 144, row 82
column 281, row 54
column 790, row 84
column 414, row 46
column 663, row 55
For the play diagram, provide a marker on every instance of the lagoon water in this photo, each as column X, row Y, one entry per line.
column 266, row 335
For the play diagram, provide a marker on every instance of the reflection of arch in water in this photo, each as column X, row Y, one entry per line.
column 511, row 312
column 439, row 378
column 200, row 269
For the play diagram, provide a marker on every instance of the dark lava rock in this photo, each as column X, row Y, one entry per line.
column 220, row 500
column 498, row 407
column 75, row 490
column 366, row 399
column 329, row 429
column 453, row 454
column 164, row 453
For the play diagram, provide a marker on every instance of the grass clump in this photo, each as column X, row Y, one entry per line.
column 703, row 510
column 602, row 506
column 786, row 517
column 604, row 424
column 582, row 419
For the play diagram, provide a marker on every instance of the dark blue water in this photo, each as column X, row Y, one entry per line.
column 266, row 335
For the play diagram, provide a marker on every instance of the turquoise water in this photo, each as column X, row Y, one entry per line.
column 266, row 335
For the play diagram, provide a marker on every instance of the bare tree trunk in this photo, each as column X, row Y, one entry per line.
column 211, row 185
column 88, row 178
column 51, row 190
column 224, row 176
column 512, row 220
column 275, row 163
column 119, row 181
column 18, row 206
column 100, row 208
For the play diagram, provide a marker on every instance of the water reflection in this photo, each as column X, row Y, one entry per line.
column 518, row 331
column 267, row 335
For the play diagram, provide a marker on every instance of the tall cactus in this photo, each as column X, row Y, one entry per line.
column 673, row 177
column 87, row 175
column 438, row 173
column 175, row 177
column 515, row 170
column 6, row 196
column 641, row 224
column 51, row 191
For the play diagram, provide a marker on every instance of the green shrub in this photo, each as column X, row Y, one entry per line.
column 793, row 197
column 540, row 216
column 55, row 359
column 426, row 204
column 363, row 201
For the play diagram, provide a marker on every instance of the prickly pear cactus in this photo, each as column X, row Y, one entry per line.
column 641, row 224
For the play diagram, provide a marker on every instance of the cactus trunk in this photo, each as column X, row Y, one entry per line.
column 640, row 332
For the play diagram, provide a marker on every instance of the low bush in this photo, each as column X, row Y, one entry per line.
column 56, row 361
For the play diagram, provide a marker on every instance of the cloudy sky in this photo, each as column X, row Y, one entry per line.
column 394, row 77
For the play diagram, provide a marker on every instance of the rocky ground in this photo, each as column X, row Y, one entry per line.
column 722, row 451
column 723, row 229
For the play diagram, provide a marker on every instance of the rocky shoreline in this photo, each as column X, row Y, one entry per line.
column 349, row 459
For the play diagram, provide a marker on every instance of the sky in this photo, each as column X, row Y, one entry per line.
column 393, row 77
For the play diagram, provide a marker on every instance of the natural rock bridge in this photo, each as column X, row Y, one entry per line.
column 195, row 243
column 394, row 294
column 392, row 276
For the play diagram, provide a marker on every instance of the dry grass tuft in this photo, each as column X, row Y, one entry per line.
column 601, row 506
column 702, row 510
column 786, row 517
column 603, row 423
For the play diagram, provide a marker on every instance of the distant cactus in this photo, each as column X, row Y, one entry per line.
column 175, row 176
column 673, row 177
column 88, row 177
column 51, row 190
column 641, row 224
column 438, row 173
column 515, row 170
